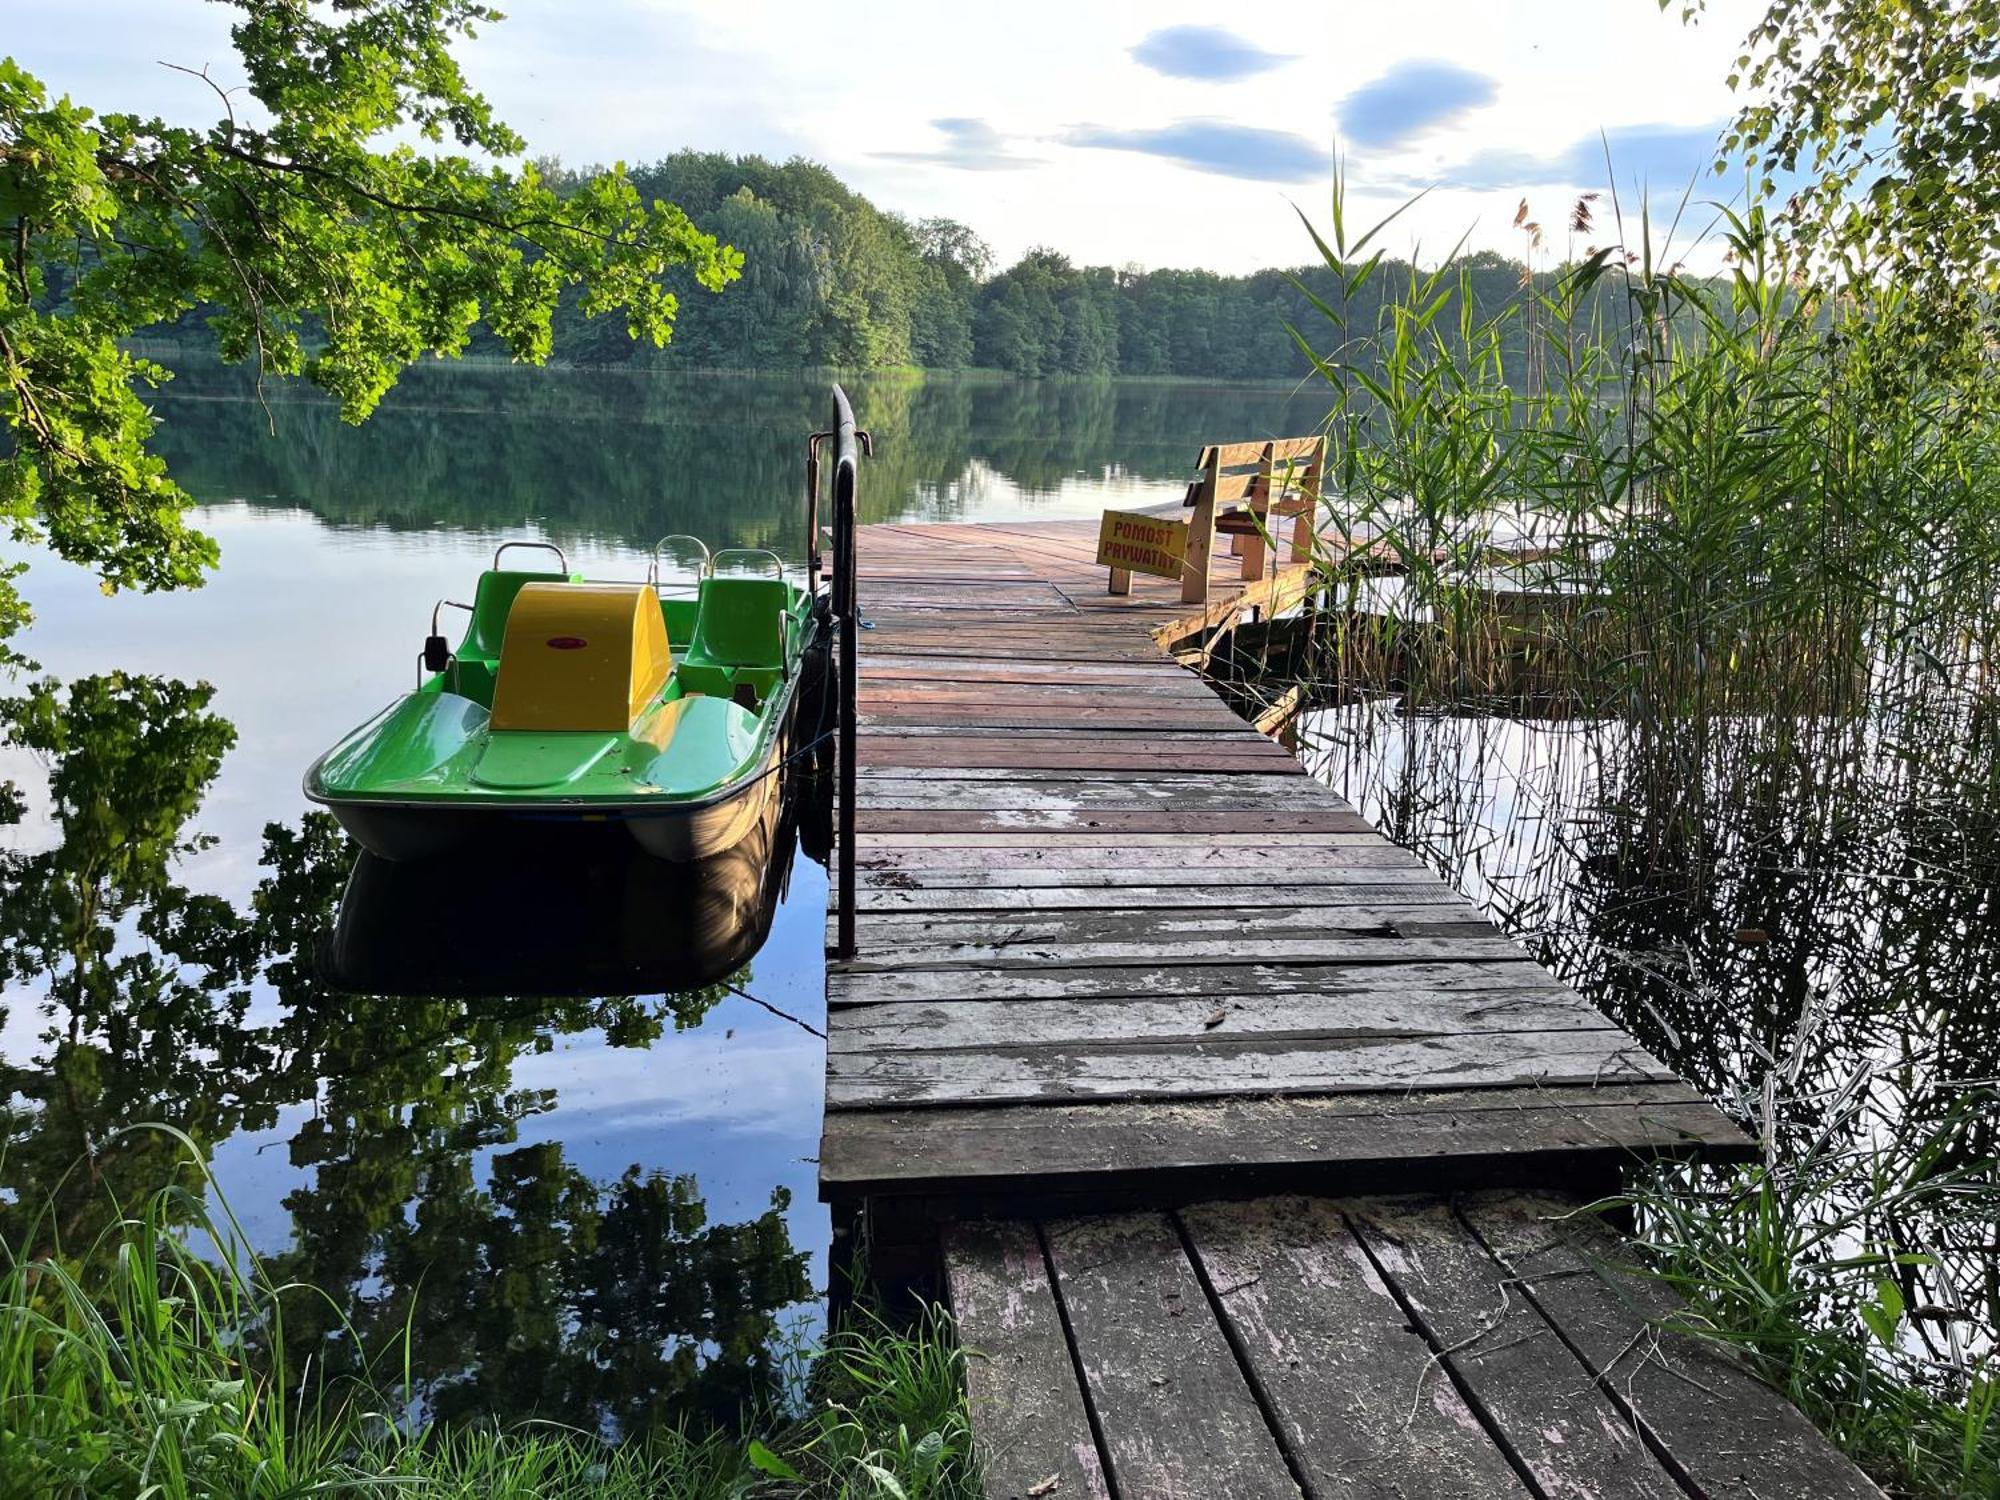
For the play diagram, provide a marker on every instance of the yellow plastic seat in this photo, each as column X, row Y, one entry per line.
column 581, row 657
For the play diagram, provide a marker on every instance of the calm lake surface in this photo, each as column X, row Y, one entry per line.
column 599, row 1208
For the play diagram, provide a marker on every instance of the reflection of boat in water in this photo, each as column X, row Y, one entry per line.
column 558, row 911
column 575, row 702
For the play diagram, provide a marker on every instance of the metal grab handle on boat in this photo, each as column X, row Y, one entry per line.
column 442, row 605
column 707, row 558
column 776, row 561
column 543, row 546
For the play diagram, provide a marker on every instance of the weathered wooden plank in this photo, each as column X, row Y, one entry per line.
column 1226, row 759
column 993, row 567
column 1028, row 1417
column 1249, row 923
column 1357, row 1394
column 1685, row 1391
column 891, row 620
column 890, row 666
column 931, row 1025
column 892, row 626
column 1043, row 717
column 1273, row 781
column 1205, row 951
column 1213, row 1068
column 995, row 717
column 1511, row 1365
column 1079, row 730
column 905, row 636
column 1082, row 732
column 956, row 823
column 1075, row 737
column 1099, row 697
column 1054, row 682
column 1178, row 1421
column 1049, row 647
column 1077, row 862
column 945, row 602
column 1292, row 1141
column 1027, row 793
column 1471, row 984
column 897, row 631
column 1368, row 885
column 1058, row 844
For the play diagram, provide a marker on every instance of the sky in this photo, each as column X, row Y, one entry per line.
column 1155, row 134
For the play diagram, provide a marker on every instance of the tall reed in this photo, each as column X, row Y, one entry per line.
column 1659, row 612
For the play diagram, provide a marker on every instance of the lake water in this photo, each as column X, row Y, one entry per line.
column 599, row 1208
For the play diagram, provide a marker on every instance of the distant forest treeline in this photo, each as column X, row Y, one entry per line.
column 829, row 279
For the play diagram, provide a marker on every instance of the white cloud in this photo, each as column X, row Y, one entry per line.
column 908, row 93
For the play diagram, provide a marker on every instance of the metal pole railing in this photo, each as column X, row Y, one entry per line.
column 848, row 447
column 812, row 509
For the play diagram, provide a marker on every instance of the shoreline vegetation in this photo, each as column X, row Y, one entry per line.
column 153, row 1364
column 195, row 358
column 831, row 282
column 1726, row 765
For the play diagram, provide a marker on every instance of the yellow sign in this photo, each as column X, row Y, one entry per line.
column 1142, row 544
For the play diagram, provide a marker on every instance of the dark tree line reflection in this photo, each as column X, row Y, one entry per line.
column 529, row 1286
column 604, row 455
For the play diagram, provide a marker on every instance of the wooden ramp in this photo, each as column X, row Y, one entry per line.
column 1113, row 942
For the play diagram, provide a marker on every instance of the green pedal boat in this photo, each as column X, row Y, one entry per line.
column 579, row 701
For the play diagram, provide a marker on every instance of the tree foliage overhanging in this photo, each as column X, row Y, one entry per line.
column 1872, row 126
column 312, row 237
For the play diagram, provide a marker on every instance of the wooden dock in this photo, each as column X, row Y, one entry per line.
column 1122, row 968
column 1390, row 1347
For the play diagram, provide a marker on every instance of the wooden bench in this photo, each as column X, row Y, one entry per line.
column 1241, row 490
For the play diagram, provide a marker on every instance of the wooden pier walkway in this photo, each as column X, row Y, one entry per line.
column 1122, row 967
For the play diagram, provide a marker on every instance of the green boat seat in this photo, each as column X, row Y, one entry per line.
column 739, row 638
column 741, row 623
column 491, row 605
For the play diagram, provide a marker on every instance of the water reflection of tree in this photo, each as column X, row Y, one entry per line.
column 626, row 456
column 529, row 1286
column 128, row 761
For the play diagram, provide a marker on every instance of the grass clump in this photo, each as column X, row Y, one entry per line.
column 1804, row 1266
column 153, row 1366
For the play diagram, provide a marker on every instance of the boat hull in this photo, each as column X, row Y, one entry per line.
column 686, row 835
column 560, row 911
column 407, row 831
column 402, row 832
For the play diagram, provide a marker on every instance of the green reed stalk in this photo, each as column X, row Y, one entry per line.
column 1688, row 589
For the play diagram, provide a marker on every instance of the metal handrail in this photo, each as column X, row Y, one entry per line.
column 849, row 445
column 707, row 557
column 776, row 561
column 540, row 546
